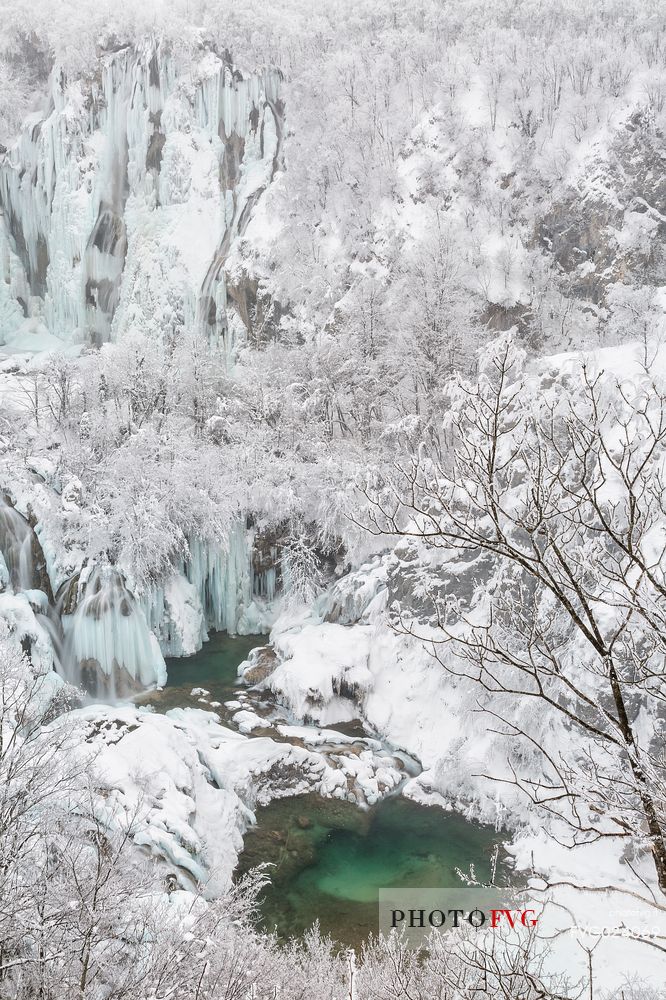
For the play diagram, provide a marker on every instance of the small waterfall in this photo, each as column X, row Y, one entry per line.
column 233, row 585
column 109, row 649
column 104, row 645
column 50, row 622
column 16, row 546
column 222, row 578
column 112, row 644
column 25, row 574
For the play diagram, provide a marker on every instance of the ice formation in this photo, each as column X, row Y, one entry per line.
column 23, row 601
column 104, row 638
column 220, row 588
column 109, row 647
column 138, row 172
column 104, row 645
column 16, row 567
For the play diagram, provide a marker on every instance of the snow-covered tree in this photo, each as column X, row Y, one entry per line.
column 562, row 487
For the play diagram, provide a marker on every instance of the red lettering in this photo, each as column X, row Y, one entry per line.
column 523, row 919
column 496, row 914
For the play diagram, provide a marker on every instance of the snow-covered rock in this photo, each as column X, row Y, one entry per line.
column 190, row 785
column 122, row 203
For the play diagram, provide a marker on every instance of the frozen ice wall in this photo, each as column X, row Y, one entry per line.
column 217, row 588
column 121, row 205
column 110, row 649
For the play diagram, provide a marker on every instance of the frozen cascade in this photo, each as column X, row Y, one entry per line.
column 218, row 588
column 114, row 643
column 234, row 104
column 16, row 540
column 104, row 193
column 110, row 649
column 222, row 578
column 264, row 583
column 105, row 645
column 21, row 574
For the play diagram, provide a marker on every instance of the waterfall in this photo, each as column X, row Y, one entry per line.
column 105, row 640
column 221, row 576
column 234, row 104
column 104, row 645
column 16, row 546
column 24, row 574
column 117, row 160
column 109, row 649
column 231, row 586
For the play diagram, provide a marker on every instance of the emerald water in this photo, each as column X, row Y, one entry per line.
column 331, row 859
column 213, row 668
column 328, row 858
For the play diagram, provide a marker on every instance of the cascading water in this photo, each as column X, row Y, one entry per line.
column 21, row 574
column 235, row 104
column 109, row 649
column 112, row 644
column 16, row 540
column 225, row 587
column 104, row 645
column 101, row 198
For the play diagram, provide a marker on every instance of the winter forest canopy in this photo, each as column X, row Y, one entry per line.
column 341, row 322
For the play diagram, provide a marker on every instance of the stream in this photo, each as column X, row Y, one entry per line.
column 328, row 857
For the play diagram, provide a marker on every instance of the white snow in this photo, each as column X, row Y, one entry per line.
column 193, row 784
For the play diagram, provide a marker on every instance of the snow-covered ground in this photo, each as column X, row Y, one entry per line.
column 398, row 687
column 190, row 785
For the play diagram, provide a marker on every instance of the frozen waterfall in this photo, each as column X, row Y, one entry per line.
column 104, row 646
column 221, row 586
column 23, row 575
column 106, row 191
column 100, row 637
column 110, row 650
column 16, row 537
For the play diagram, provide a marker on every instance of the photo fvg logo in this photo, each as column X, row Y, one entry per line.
column 416, row 913
column 423, row 919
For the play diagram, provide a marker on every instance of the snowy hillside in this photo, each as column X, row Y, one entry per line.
column 342, row 323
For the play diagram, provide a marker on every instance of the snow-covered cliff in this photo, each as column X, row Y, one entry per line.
column 122, row 201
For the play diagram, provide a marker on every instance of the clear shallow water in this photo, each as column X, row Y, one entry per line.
column 213, row 668
column 329, row 858
column 332, row 869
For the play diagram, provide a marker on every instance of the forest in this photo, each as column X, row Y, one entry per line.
column 341, row 326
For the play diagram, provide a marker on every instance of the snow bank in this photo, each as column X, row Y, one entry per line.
column 189, row 785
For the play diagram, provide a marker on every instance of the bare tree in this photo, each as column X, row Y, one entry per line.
column 562, row 488
column 36, row 777
column 461, row 966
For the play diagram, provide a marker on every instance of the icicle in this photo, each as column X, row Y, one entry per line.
column 217, row 588
column 222, row 578
column 110, row 651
